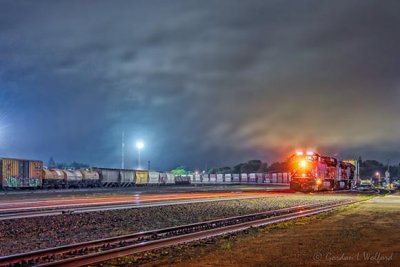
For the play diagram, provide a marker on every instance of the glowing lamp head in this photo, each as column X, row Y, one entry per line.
column 319, row 181
column 303, row 164
column 139, row 145
column 310, row 153
column 299, row 153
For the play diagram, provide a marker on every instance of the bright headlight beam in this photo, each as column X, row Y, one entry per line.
column 303, row 164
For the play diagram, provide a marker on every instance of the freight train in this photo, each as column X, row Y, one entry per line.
column 312, row 172
column 16, row 174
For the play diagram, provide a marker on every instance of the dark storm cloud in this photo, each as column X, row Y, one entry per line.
column 203, row 82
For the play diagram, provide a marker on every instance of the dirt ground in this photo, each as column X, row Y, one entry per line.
column 366, row 234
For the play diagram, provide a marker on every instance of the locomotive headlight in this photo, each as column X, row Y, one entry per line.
column 303, row 164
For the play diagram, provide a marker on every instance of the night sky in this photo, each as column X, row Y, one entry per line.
column 202, row 83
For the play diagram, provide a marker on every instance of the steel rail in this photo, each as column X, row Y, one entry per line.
column 81, row 208
column 109, row 248
column 37, row 212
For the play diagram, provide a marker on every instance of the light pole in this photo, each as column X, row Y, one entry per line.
column 123, row 151
column 139, row 146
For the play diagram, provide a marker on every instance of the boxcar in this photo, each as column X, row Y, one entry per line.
column 244, row 178
column 109, row 177
column 280, row 178
column 171, row 178
column 274, row 178
column 205, row 178
column 197, row 178
column 182, row 180
column 252, row 178
column 285, row 178
column 142, row 177
column 163, row 178
column 191, row 178
column 267, row 178
column 17, row 173
column 127, row 178
column 228, row 178
column 213, row 178
column 220, row 178
column 154, row 178
column 260, row 178
column 236, row 178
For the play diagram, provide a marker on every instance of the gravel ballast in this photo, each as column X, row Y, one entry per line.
column 22, row 235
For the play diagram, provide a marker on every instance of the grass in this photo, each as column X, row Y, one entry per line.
column 228, row 242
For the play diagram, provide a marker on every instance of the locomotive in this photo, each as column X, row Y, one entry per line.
column 312, row 172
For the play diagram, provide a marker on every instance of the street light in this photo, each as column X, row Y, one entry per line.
column 139, row 146
column 378, row 175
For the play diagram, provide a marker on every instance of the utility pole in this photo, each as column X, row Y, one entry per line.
column 139, row 159
column 139, row 146
column 123, row 151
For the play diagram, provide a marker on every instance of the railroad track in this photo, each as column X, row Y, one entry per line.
column 73, row 209
column 110, row 248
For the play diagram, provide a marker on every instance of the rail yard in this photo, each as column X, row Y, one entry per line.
column 76, row 230
column 53, row 206
column 105, row 216
column 199, row 133
column 363, row 234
